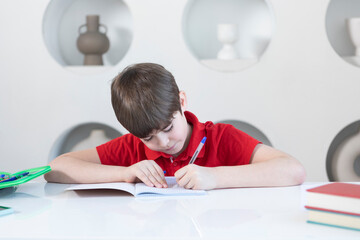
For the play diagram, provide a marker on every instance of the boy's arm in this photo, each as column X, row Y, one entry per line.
column 83, row 167
column 269, row 168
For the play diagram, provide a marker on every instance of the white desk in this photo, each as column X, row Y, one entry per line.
column 45, row 211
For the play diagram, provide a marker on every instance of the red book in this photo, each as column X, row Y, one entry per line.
column 335, row 197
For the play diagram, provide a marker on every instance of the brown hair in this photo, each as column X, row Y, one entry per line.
column 145, row 97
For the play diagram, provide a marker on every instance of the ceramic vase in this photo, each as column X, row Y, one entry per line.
column 346, row 159
column 93, row 43
column 227, row 34
column 353, row 26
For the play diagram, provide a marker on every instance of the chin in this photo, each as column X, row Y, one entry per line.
column 177, row 152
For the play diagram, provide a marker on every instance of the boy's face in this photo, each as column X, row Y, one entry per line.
column 172, row 139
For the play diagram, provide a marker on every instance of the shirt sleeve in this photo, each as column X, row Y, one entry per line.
column 121, row 151
column 237, row 146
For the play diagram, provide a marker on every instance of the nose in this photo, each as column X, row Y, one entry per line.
column 163, row 140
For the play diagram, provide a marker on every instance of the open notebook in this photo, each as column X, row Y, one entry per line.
column 141, row 190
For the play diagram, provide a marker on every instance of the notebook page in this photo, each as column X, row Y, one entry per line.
column 173, row 189
column 123, row 186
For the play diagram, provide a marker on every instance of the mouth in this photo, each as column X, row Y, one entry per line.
column 171, row 148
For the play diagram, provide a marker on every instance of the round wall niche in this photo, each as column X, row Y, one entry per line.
column 249, row 129
column 83, row 136
column 343, row 29
column 343, row 157
column 228, row 35
column 63, row 18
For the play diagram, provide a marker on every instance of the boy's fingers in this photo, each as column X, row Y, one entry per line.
column 153, row 175
column 158, row 174
column 154, row 181
column 184, row 181
column 189, row 185
column 145, row 176
column 160, row 180
column 145, row 179
column 180, row 173
column 182, row 178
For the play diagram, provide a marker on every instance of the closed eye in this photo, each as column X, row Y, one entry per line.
column 168, row 129
column 147, row 139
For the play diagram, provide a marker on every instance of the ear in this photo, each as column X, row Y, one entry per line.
column 183, row 101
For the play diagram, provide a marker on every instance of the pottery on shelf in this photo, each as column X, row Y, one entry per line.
column 353, row 26
column 93, row 43
column 227, row 34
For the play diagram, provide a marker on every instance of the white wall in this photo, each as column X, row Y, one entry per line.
column 300, row 94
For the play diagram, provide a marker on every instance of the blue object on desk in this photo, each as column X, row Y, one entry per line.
column 10, row 180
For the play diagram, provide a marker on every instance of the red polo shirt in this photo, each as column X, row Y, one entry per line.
column 225, row 146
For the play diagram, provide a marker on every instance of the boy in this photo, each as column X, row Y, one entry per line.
column 163, row 137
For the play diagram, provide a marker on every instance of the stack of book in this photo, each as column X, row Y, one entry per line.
column 335, row 204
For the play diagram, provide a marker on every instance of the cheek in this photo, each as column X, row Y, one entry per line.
column 181, row 130
column 178, row 135
column 152, row 147
column 149, row 145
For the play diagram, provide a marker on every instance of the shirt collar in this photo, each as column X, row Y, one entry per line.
column 197, row 134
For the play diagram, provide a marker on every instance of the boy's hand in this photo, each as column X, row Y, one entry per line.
column 196, row 177
column 147, row 171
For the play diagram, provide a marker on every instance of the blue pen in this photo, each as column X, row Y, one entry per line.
column 15, row 177
column 197, row 151
column 3, row 176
